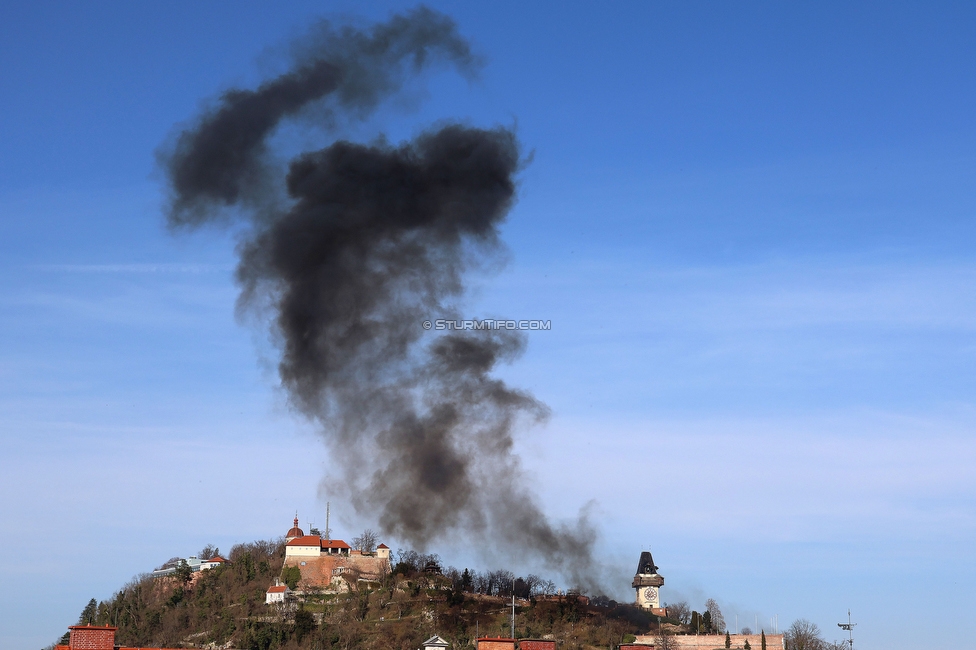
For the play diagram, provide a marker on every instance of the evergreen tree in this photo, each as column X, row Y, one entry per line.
column 763, row 640
column 291, row 575
column 747, row 646
column 183, row 572
column 695, row 621
column 88, row 614
column 304, row 623
column 728, row 640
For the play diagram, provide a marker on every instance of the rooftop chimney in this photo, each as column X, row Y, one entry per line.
column 91, row 637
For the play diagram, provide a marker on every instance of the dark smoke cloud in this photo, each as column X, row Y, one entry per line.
column 373, row 240
column 222, row 160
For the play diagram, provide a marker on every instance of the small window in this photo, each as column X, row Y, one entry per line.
column 303, row 564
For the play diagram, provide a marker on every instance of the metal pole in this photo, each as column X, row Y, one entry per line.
column 513, row 608
column 849, row 626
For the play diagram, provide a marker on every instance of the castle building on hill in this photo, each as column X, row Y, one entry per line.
column 331, row 563
column 648, row 584
column 298, row 544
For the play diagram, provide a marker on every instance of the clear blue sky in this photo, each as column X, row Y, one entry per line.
column 751, row 225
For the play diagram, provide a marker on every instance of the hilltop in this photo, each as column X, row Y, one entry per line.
column 225, row 607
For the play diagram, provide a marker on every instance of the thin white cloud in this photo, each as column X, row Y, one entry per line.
column 163, row 267
column 858, row 474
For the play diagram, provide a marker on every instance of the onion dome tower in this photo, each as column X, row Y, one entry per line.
column 647, row 582
column 294, row 532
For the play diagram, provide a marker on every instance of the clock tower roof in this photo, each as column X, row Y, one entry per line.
column 646, row 565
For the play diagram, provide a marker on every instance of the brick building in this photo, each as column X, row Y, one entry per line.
column 497, row 643
column 95, row 637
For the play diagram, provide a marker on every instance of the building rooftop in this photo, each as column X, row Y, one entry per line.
column 295, row 531
column 646, row 564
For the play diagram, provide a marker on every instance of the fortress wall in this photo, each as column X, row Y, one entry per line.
column 717, row 641
column 318, row 571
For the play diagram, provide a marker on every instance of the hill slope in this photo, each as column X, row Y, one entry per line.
column 225, row 607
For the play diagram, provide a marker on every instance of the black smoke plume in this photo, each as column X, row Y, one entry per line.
column 371, row 241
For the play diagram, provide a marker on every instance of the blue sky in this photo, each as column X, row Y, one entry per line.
column 751, row 226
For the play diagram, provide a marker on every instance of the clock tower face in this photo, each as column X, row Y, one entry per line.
column 650, row 594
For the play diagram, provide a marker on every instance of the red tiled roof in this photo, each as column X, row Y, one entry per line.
column 382, row 546
column 216, row 558
column 315, row 540
column 277, row 590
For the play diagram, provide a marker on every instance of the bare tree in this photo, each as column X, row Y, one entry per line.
column 366, row 542
column 679, row 611
column 665, row 640
column 532, row 584
column 804, row 635
column 718, row 621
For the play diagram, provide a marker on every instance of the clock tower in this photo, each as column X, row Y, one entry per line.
column 648, row 582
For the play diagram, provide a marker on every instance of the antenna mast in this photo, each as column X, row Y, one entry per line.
column 513, row 608
column 328, row 533
column 849, row 626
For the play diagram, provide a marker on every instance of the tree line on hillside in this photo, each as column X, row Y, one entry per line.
column 418, row 598
column 708, row 621
column 500, row 582
column 150, row 611
column 226, row 605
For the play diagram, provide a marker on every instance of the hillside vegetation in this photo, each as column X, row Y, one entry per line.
column 225, row 607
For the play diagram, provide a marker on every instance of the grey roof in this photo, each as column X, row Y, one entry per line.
column 646, row 565
column 435, row 642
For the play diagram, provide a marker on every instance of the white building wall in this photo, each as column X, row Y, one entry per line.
column 273, row 597
column 303, row 551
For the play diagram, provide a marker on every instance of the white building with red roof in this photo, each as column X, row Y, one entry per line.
column 277, row 594
column 212, row 563
column 304, row 546
column 298, row 544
